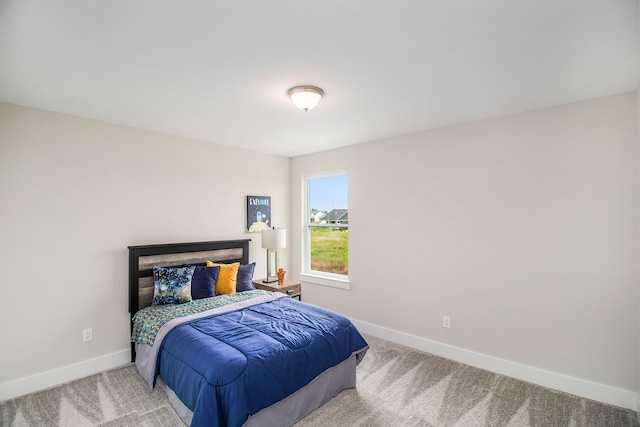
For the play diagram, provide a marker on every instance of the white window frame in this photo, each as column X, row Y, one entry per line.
column 340, row 281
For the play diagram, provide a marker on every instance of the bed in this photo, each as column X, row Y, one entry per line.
column 251, row 358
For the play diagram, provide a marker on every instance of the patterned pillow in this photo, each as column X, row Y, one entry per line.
column 172, row 285
column 245, row 277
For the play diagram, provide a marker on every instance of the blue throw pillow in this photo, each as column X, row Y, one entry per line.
column 172, row 285
column 245, row 277
column 203, row 283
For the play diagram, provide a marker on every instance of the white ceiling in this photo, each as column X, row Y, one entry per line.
column 219, row 71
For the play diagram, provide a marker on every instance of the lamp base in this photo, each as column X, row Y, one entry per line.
column 270, row 278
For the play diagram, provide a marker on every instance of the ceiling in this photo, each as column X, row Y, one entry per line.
column 219, row 71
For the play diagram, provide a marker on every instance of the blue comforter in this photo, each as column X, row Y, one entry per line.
column 231, row 365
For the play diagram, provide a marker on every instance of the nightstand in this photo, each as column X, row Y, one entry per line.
column 293, row 289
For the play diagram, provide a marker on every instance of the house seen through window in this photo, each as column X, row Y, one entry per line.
column 327, row 243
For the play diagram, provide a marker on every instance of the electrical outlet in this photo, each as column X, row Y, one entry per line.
column 446, row 321
column 87, row 335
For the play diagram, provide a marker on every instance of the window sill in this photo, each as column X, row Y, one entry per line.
column 326, row 281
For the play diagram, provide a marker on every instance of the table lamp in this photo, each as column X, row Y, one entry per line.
column 272, row 240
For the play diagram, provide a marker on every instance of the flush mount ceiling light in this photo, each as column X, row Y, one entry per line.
column 306, row 97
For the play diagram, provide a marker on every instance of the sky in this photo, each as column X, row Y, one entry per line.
column 328, row 193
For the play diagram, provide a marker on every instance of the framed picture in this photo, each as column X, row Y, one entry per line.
column 258, row 213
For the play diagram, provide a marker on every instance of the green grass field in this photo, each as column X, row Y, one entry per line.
column 329, row 250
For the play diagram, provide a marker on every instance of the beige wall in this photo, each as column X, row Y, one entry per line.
column 74, row 193
column 524, row 230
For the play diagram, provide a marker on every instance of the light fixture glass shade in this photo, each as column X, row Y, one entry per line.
column 306, row 97
column 274, row 238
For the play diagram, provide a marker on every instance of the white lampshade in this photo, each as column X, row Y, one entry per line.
column 274, row 238
column 306, row 97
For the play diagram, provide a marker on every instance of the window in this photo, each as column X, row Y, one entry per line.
column 327, row 230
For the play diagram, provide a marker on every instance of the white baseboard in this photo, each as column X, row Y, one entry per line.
column 47, row 379
column 579, row 387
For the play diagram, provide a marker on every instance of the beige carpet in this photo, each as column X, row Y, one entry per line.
column 397, row 386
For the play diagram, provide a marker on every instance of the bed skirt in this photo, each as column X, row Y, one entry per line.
column 296, row 406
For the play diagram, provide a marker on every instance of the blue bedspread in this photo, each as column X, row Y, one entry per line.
column 229, row 366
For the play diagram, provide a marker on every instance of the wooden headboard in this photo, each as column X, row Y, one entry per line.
column 142, row 259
